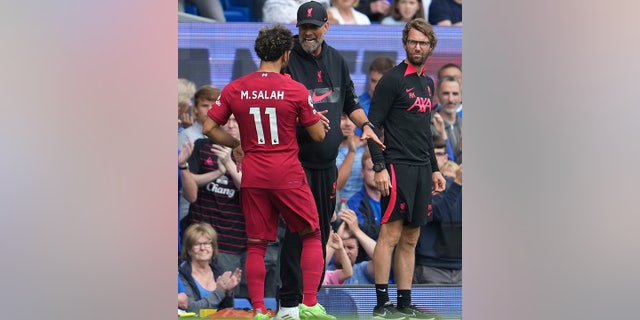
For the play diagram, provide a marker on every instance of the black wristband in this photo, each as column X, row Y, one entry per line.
column 368, row 124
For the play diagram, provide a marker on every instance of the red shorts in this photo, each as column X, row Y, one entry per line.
column 261, row 208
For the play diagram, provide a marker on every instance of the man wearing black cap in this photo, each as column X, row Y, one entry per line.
column 325, row 74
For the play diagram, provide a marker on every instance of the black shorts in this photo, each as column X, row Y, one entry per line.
column 410, row 195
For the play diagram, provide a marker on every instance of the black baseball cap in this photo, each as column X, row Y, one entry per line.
column 312, row 12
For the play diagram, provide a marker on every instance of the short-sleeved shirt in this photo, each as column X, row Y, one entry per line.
column 267, row 107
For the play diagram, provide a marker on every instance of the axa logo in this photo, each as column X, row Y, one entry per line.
column 422, row 104
column 317, row 98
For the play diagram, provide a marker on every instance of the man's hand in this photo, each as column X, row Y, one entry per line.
column 438, row 124
column 335, row 241
column 351, row 219
column 223, row 153
column 367, row 133
column 185, row 153
column 438, row 181
column 383, row 183
column 185, row 120
column 325, row 120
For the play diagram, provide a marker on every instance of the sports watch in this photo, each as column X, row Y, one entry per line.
column 368, row 124
column 377, row 167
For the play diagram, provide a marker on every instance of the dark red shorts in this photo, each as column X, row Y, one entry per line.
column 261, row 208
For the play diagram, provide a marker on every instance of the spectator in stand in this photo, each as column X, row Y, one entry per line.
column 440, row 147
column 344, row 12
column 439, row 249
column 187, row 186
column 403, row 11
column 211, row 9
column 354, row 238
column 348, row 160
column 451, row 70
column 378, row 67
column 366, row 202
column 206, row 286
column 450, row 96
column 446, row 13
column 376, row 10
column 186, row 90
column 285, row 11
column 337, row 251
column 218, row 202
column 204, row 98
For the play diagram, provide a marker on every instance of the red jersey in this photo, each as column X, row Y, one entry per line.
column 268, row 106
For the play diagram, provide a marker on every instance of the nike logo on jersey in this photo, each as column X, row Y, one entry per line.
column 409, row 90
column 318, row 98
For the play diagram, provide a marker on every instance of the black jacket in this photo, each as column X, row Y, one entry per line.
column 331, row 88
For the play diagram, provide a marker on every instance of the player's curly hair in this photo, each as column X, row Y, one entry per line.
column 272, row 42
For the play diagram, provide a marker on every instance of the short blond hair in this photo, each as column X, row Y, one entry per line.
column 449, row 167
column 196, row 231
column 186, row 90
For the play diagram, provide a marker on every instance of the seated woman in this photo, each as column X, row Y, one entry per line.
column 403, row 11
column 344, row 12
column 205, row 285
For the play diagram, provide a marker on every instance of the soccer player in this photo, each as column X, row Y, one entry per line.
column 404, row 172
column 268, row 107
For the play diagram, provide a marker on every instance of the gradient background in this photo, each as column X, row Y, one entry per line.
column 88, row 192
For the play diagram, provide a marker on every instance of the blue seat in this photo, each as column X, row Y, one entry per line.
column 191, row 9
column 237, row 10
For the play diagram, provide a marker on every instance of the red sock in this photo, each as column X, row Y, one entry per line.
column 256, row 272
column 312, row 265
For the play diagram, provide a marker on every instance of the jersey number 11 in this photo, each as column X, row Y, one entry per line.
column 273, row 123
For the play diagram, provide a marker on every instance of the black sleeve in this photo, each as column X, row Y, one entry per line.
column 432, row 154
column 351, row 100
column 381, row 102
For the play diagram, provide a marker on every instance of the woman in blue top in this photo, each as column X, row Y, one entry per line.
column 206, row 286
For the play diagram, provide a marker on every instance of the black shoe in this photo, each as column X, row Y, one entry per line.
column 412, row 313
column 387, row 311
